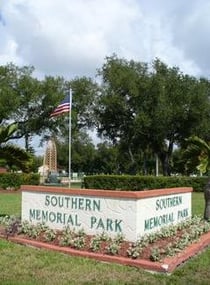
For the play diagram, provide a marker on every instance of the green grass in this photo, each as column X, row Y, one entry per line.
column 73, row 185
column 198, row 203
column 25, row 265
column 10, row 203
column 77, row 185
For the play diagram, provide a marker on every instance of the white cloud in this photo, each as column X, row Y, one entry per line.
column 72, row 38
column 191, row 32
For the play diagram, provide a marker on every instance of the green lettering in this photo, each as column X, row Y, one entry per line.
column 118, row 226
column 31, row 214
column 92, row 221
column 77, row 221
column 67, row 199
column 96, row 205
column 158, row 221
column 74, row 203
column 52, row 217
column 182, row 214
column 70, row 220
column 47, row 200
column 81, row 202
column 153, row 222
column 100, row 224
column 53, row 201
column 60, row 202
column 146, row 225
column 59, row 218
column 109, row 223
column 44, row 216
column 88, row 205
column 168, row 202
column 38, row 215
column 157, row 204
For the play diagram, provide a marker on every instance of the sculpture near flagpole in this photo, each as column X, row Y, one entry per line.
column 50, row 157
column 48, row 171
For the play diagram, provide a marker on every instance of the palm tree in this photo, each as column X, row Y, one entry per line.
column 11, row 154
column 198, row 153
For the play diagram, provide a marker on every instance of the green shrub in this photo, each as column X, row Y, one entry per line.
column 140, row 183
column 30, row 178
column 10, row 180
column 15, row 180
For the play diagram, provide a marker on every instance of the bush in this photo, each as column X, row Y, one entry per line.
column 15, row 180
column 30, row 178
column 140, row 183
column 10, row 180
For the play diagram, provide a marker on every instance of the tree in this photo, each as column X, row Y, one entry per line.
column 28, row 101
column 153, row 109
column 118, row 111
column 8, row 99
column 198, row 154
column 178, row 163
column 82, row 153
column 11, row 154
column 38, row 99
column 181, row 108
column 106, row 159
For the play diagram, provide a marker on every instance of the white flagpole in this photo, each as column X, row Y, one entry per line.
column 70, row 107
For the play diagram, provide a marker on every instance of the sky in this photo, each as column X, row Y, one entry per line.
column 72, row 38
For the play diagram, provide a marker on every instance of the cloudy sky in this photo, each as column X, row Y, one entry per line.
column 72, row 37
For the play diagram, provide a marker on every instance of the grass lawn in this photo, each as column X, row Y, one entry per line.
column 10, row 203
column 26, row 265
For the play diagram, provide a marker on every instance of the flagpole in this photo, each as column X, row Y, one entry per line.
column 70, row 103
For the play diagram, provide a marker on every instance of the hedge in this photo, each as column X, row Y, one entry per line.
column 140, row 183
column 15, row 180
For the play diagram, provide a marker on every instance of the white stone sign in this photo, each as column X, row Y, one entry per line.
column 115, row 212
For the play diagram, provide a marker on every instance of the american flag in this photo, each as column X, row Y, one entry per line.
column 63, row 107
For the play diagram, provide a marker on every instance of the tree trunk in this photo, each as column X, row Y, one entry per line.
column 145, row 164
column 164, row 159
column 207, row 201
column 26, row 142
column 133, row 162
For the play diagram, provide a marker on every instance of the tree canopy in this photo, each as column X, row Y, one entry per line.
column 153, row 107
column 140, row 110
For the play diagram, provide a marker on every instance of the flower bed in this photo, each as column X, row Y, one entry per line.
column 160, row 251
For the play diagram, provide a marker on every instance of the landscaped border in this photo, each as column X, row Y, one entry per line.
column 167, row 265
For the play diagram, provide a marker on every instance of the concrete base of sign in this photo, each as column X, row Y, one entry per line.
column 130, row 213
column 168, row 265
